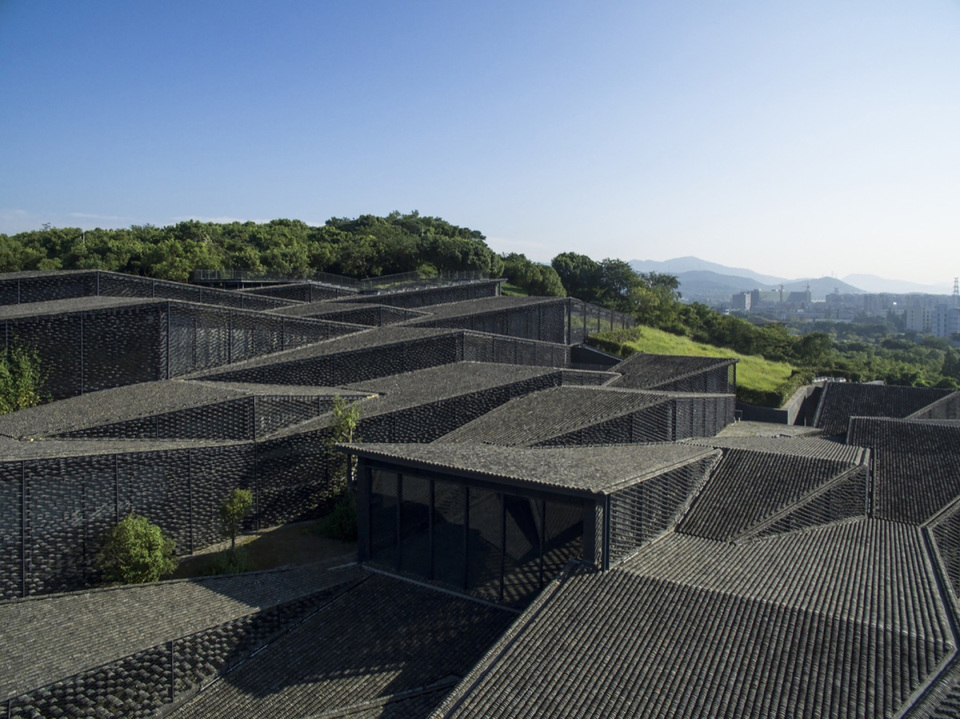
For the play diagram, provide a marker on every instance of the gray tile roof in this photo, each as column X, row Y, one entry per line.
column 483, row 305
column 12, row 450
column 916, row 465
column 749, row 487
column 535, row 418
column 649, row 371
column 46, row 639
column 839, row 621
column 593, row 470
column 812, row 447
column 363, row 339
column 75, row 304
column 137, row 401
column 385, row 642
column 842, row 400
column 436, row 383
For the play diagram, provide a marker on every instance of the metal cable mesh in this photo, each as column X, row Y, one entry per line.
column 641, row 512
column 55, row 512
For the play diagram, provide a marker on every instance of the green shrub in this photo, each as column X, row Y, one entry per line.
column 341, row 523
column 136, row 551
column 230, row 561
column 21, row 379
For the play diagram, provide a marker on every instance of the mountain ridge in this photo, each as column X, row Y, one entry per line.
column 704, row 280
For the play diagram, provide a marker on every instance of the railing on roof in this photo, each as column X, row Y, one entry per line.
column 407, row 280
column 411, row 280
column 586, row 319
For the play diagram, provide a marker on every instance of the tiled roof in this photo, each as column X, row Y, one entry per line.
column 840, row 621
column 436, row 383
column 385, row 643
column 485, row 304
column 842, row 400
column 366, row 338
column 528, row 420
column 74, row 304
column 649, row 371
column 46, row 639
column 812, row 447
column 12, row 450
column 916, row 465
column 594, row 470
column 112, row 405
column 749, row 487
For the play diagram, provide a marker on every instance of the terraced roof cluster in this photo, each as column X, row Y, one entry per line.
column 745, row 576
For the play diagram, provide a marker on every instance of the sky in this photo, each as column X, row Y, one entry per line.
column 799, row 139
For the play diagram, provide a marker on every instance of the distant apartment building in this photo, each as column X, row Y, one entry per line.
column 741, row 301
column 946, row 321
column 919, row 314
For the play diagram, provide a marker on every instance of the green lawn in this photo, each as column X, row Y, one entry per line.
column 753, row 372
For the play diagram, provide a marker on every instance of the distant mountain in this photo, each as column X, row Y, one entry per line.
column 702, row 281
column 712, row 287
column 695, row 264
column 872, row 283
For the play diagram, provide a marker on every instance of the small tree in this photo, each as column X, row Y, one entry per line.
column 232, row 513
column 346, row 418
column 342, row 522
column 136, row 551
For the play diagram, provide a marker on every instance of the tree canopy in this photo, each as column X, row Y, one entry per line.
column 367, row 246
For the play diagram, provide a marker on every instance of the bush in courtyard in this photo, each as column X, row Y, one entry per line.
column 341, row 523
column 136, row 551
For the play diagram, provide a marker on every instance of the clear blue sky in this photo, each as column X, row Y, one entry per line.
column 799, row 139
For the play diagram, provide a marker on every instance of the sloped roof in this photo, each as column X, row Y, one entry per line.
column 812, row 447
column 842, row 400
column 484, row 305
column 385, row 642
column 73, row 305
column 395, row 393
column 130, row 402
column 537, row 417
column 47, row 638
column 593, row 470
column 12, row 450
column 916, row 466
column 649, row 371
column 748, row 487
column 838, row 621
column 365, row 338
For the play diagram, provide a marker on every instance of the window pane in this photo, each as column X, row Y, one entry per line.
column 383, row 518
column 564, row 532
column 415, row 526
column 448, row 532
column 522, row 561
column 484, row 543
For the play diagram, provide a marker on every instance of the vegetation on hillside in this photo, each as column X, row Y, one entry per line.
column 367, row 246
column 759, row 381
column 372, row 246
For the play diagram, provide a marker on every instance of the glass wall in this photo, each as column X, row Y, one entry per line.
column 500, row 546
